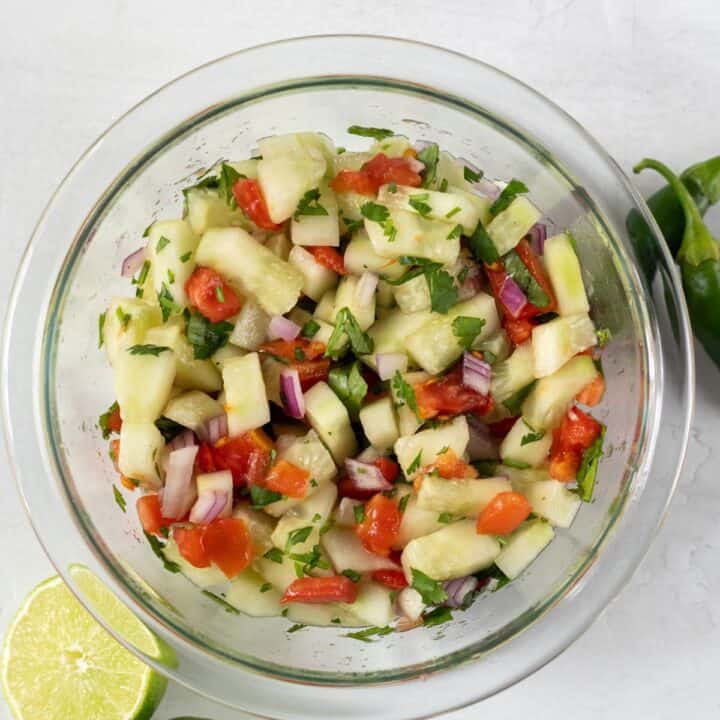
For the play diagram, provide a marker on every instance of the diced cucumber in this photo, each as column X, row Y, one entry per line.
column 317, row 278
column 143, row 384
column 416, row 522
column 329, row 418
column 245, row 401
column 360, row 256
column 307, row 452
column 313, row 145
column 435, row 346
column 346, row 297
column 462, row 497
column 384, row 297
column 237, row 256
column 126, row 322
column 246, row 593
column 422, row 448
column 480, row 202
column 279, row 245
column 168, row 242
column 325, row 331
column 379, row 424
column 552, row 500
column 408, row 421
column 279, row 575
column 555, row 342
column 393, row 147
column 217, row 482
column 225, row 353
column 325, row 309
column 271, row 369
column 258, row 524
column 140, row 446
column 206, row 209
column 190, row 373
column 318, row 229
column 389, row 333
column 312, row 512
column 451, row 171
column 349, row 205
column 328, row 614
column 285, row 179
column 498, row 345
column 192, row 409
column 512, row 374
column 251, row 326
column 450, row 208
column 346, row 552
column 373, row 604
column 563, row 267
column 415, row 236
column 351, row 160
column 452, row 552
column 207, row 577
column 518, row 476
column 413, row 295
column 248, row 167
column 550, row 398
column 509, row 227
column 523, row 546
column 533, row 453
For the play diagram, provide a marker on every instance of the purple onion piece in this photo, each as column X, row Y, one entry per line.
column 458, row 589
column 476, row 373
column 179, row 491
column 292, row 395
column 538, row 235
column 366, row 476
column 512, row 296
column 280, row 328
column 389, row 363
column 365, row 289
column 132, row 263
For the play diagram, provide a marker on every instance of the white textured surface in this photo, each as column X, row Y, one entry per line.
column 642, row 78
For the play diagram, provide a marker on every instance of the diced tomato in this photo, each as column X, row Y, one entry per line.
column 503, row 514
column 250, row 200
column 501, row 428
column 394, row 579
column 127, row 483
column 329, row 257
column 114, row 421
column 448, row 465
column 592, row 393
column 564, row 465
column 380, row 528
column 298, row 350
column 336, row 588
column 228, row 544
column 348, row 488
column 519, row 331
column 151, row 519
column 115, row 452
column 246, row 456
column 577, row 432
column 388, row 468
column 288, row 479
column 311, row 372
column 380, row 170
column 190, row 545
column 533, row 263
column 446, row 396
column 211, row 295
column 204, row 461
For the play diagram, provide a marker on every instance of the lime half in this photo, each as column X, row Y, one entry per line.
column 58, row 663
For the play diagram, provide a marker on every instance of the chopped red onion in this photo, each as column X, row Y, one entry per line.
column 291, row 392
column 281, row 328
column 213, row 429
column 366, row 477
column 538, row 235
column 458, row 589
column 512, row 296
column 207, row 507
column 133, row 262
column 488, row 188
column 185, row 439
column 415, row 165
column 481, row 445
column 345, row 512
column 365, row 289
column 421, row 145
column 179, row 492
column 389, row 363
column 476, row 373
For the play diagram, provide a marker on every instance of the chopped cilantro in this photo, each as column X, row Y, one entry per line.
column 168, row 428
column 309, row 204
column 224, row 604
column 604, row 336
column 161, row 244
column 296, row 627
column 340, row 150
column 345, row 323
column 587, row 473
column 443, row 293
column 517, row 464
column 431, row 591
column 417, row 203
column 445, row 518
column 261, row 496
column 154, row 350
column 443, row 185
column 456, row 232
column 482, row 247
column 518, row 271
column 265, row 587
column 370, row 132
column 167, row 302
column 415, row 464
column 532, row 436
column 429, row 156
column 350, row 386
column 366, row 634
column 466, row 329
column 402, row 504
column 297, row 536
column 313, row 482
column 101, row 328
column 509, row 193
column 310, row 329
column 157, row 547
column 453, row 212
column 380, row 214
column 186, row 256
column 171, row 276
column 470, row 175
column 336, row 621
column 228, row 177
column 219, row 294
column 299, row 354
column 352, row 225
column 515, row 401
column 104, row 419
column 146, row 231
column 206, row 337
column 392, row 187
column 119, row 499
column 438, row 616
column 404, row 393
column 274, row 554
column 123, row 317
column 352, row 575
column 359, row 513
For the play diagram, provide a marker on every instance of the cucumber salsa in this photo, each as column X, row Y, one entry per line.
column 347, row 388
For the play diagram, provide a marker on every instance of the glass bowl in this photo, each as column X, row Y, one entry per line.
column 56, row 382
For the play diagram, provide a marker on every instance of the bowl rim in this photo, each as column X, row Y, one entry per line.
column 27, row 257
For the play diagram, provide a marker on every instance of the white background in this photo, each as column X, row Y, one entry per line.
column 643, row 76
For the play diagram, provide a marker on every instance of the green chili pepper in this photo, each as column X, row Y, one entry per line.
column 703, row 182
column 699, row 259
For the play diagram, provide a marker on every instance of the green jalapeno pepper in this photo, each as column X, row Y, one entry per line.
column 699, row 259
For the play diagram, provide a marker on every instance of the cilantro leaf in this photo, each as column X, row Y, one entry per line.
column 309, row 204
column 438, row 616
column 161, row 244
column 371, row 132
column 402, row 504
column 366, row 634
column 352, row 575
column 345, row 323
column 206, row 337
column 417, row 203
column 168, row 428
column 157, row 547
column 274, row 554
column 359, row 513
column 350, row 386
column 167, row 302
column 380, row 214
column 186, row 256
column 456, row 232
column 119, row 499
column 517, row 464
column 431, row 591
column 443, row 293
column 515, row 401
column 532, row 436
column 352, row 225
column 297, row 536
column 518, row 271
column 587, row 473
column 101, row 328
column 445, row 517
column 154, row 350
column 228, row 177
column 123, row 317
column 219, row 294
column 296, row 627
column 466, row 329
column 509, row 193
column 224, row 604
column 310, row 329
column 404, row 393
column 104, row 419
column 452, row 213
column 470, row 175
column 265, row 587
column 604, row 336
column 429, row 156
column 482, row 247
column 261, row 496
column 414, row 466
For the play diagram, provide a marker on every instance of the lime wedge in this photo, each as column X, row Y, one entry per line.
column 58, row 663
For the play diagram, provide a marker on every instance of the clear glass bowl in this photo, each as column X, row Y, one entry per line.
column 56, row 382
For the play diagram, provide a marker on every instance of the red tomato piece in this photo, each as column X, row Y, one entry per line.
column 204, row 462
column 311, row 372
column 502, row 427
column 246, row 456
column 151, row 519
column 592, row 393
column 328, row 257
column 388, row 468
column 288, row 479
column 564, row 465
column 190, row 545
column 394, row 579
column 446, row 396
column 449, row 465
column 250, row 200
column 127, row 483
column 115, row 452
column 504, row 513
column 348, row 488
column 380, row 528
column 533, row 263
column 577, row 432
column 114, row 421
column 336, row 588
column 211, row 295
column 519, row 330
column 227, row 543
column 383, row 170
column 353, row 181
column 295, row 351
